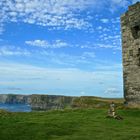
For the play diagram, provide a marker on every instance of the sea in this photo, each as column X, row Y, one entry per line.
column 16, row 107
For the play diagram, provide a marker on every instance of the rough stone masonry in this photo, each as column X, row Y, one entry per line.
column 130, row 26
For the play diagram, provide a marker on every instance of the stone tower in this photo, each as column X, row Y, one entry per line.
column 130, row 26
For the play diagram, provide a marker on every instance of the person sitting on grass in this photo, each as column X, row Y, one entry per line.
column 112, row 113
column 112, row 110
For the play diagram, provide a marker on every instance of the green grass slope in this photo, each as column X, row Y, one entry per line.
column 79, row 124
column 96, row 102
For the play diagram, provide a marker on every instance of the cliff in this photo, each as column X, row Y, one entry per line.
column 48, row 102
column 38, row 102
column 14, row 99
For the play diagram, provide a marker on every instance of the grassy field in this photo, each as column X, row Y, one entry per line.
column 80, row 124
column 97, row 102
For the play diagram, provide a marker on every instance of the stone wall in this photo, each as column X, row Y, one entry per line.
column 130, row 26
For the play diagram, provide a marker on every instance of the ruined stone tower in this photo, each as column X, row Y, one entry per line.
column 130, row 25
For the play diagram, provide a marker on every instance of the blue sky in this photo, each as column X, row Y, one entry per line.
column 62, row 47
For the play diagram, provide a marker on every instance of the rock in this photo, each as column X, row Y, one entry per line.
column 48, row 102
column 14, row 99
column 40, row 102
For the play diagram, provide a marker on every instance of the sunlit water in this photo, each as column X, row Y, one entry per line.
column 16, row 107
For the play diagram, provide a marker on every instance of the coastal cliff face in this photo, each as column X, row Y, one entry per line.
column 38, row 102
column 14, row 99
column 50, row 102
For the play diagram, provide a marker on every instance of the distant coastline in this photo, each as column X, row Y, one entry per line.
column 39, row 102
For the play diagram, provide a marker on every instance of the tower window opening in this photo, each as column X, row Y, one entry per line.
column 136, row 31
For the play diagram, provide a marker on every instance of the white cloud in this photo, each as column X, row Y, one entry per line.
column 60, row 81
column 107, row 42
column 115, row 20
column 53, row 58
column 13, row 51
column 99, row 28
column 50, row 58
column 106, row 46
column 118, row 3
column 104, row 20
column 89, row 55
column 51, row 13
column 47, row 44
column 112, row 90
column 1, row 24
column 83, row 93
column 55, row 14
column 1, row 29
column 134, row 1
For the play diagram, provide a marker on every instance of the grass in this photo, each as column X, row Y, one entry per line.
column 79, row 124
column 96, row 102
